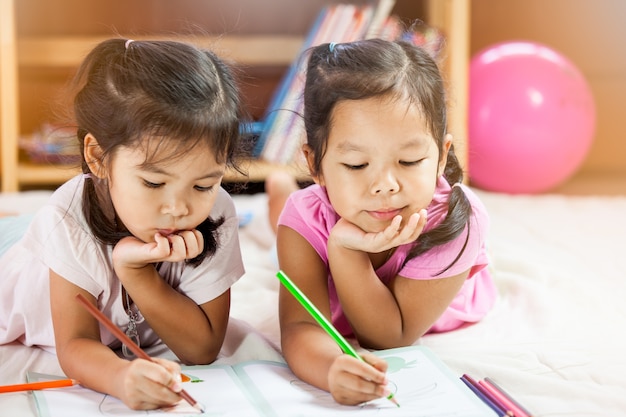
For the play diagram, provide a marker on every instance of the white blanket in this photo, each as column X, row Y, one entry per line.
column 554, row 338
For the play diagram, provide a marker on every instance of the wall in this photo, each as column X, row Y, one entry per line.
column 592, row 35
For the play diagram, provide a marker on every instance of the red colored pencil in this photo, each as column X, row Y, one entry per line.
column 32, row 386
column 129, row 343
column 517, row 408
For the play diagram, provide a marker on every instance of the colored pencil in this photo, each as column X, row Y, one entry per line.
column 504, row 407
column 472, row 385
column 517, row 408
column 104, row 320
column 32, row 386
column 324, row 322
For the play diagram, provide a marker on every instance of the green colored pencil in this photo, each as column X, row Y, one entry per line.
column 323, row 321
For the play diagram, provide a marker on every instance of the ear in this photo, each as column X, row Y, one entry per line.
column 309, row 155
column 94, row 156
column 447, row 143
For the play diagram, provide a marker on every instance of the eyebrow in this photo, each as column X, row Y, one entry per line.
column 419, row 140
column 157, row 170
column 347, row 146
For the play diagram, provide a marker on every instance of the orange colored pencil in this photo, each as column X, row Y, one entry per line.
column 130, row 344
column 32, row 386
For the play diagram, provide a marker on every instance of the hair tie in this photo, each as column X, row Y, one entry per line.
column 88, row 175
column 128, row 42
column 456, row 184
column 331, row 46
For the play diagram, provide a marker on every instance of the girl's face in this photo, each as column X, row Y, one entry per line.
column 167, row 196
column 380, row 162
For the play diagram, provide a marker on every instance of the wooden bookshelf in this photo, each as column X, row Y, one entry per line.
column 68, row 51
column 60, row 52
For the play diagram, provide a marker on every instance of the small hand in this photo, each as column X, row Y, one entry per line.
column 148, row 385
column 352, row 381
column 133, row 253
column 352, row 237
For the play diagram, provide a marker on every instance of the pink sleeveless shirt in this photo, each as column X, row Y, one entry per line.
column 308, row 212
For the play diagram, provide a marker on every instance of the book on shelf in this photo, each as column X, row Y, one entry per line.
column 283, row 133
column 283, row 128
column 422, row 384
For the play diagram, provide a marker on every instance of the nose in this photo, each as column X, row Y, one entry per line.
column 176, row 206
column 386, row 182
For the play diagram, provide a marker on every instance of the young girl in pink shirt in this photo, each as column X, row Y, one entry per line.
column 388, row 242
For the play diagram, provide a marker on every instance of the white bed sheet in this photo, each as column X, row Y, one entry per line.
column 555, row 337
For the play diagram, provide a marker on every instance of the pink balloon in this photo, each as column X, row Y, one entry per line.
column 531, row 118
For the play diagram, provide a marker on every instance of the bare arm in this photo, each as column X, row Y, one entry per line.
column 139, row 384
column 311, row 353
column 405, row 309
column 194, row 333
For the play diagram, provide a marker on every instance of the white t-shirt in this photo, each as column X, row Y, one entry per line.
column 59, row 238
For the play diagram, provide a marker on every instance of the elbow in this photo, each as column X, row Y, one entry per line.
column 388, row 344
column 201, row 347
column 200, row 357
column 390, row 341
column 200, row 352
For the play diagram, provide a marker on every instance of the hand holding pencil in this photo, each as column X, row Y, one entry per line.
column 130, row 344
column 329, row 328
column 60, row 383
column 349, row 380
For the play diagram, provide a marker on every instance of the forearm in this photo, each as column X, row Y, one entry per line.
column 358, row 287
column 93, row 364
column 179, row 321
column 310, row 352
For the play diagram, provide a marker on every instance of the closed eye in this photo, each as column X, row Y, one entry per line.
column 204, row 189
column 152, row 184
column 355, row 167
column 411, row 163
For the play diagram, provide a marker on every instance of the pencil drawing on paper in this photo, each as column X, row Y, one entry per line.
column 395, row 364
column 111, row 406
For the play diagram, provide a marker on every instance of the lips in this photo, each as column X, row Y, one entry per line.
column 385, row 214
column 167, row 232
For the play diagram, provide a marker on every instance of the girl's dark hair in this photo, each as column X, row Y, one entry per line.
column 130, row 91
column 397, row 69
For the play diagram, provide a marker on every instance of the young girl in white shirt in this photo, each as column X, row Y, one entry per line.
column 146, row 233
